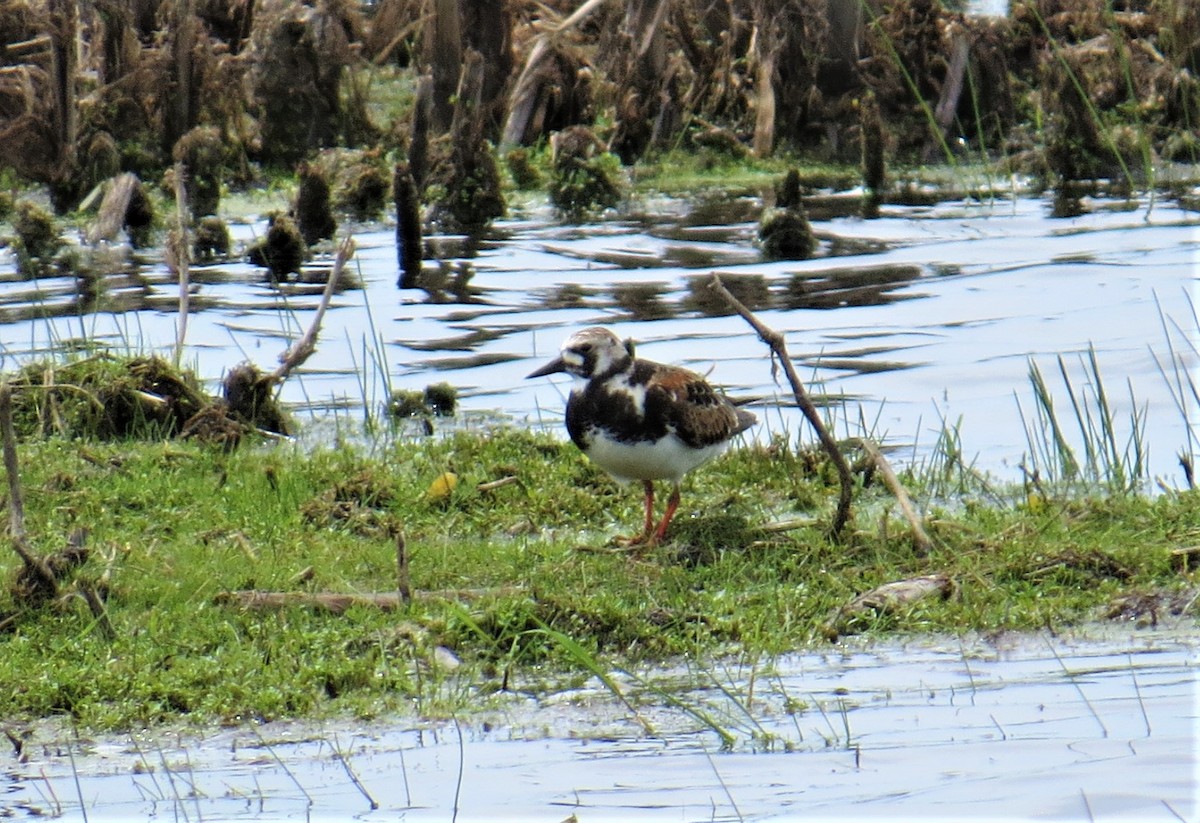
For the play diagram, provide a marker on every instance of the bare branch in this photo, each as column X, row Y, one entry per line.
column 924, row 545
column 303, row 348
column 775, row 341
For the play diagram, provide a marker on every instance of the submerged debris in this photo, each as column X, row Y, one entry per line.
column 408, row 226
column 437, row 400
column 784, row 232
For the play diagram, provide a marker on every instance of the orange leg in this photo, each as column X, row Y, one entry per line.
column 672, row 505
column 647, row 535
column 649, row 486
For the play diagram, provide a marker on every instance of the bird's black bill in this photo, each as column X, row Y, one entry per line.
column 553, row 367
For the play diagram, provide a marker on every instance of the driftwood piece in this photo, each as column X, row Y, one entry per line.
column 924, row 545
column 778, row 347
column 887, row 599
column 339, row 602
column 947, row 104
column 113, row 208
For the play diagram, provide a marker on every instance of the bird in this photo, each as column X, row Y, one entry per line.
column 641, row 420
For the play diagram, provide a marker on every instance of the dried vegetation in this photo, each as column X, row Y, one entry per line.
column 88, row 91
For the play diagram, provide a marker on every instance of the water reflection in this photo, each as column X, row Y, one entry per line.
column 929, row 313
column 864, row 286
column 1043, row 726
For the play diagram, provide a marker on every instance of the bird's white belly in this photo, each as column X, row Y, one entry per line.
column 666, row 459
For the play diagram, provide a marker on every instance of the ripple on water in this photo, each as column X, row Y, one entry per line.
column 1094, row 727
column 925, row 317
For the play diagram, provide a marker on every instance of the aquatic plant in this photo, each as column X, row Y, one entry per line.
column 586, row 178
column 37, row 235
column 1113, row 456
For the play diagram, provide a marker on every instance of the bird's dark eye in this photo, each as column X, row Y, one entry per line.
column 584, row 348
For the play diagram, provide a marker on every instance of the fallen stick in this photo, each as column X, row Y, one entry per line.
column 924, row 544
column 339, row 602
column 775, row 341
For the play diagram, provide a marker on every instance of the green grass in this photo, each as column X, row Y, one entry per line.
column 171, row 525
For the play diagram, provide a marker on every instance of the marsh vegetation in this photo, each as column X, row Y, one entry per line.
column 178, row 558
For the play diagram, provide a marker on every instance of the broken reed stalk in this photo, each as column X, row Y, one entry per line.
column 96, row 605
column 340, row 602
column 177, row 258
column 408, row 226
column 303, row 348
column 525, row 90
column 775, row 342
column 924, row 545
column 403, row 583
column 16, row 504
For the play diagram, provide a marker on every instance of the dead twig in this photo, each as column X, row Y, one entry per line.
column 886, row 599
column 775, row 341
column 920, row 536
column 403, row 584
column 492, row 485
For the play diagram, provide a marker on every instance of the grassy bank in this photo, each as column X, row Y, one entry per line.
column 515, row 582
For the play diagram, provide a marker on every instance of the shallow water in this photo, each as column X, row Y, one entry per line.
column 1092, row 727
column 926, row 318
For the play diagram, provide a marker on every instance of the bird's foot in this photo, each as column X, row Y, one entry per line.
column 636, row 543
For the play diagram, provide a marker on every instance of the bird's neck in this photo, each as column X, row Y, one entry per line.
column 623, row 365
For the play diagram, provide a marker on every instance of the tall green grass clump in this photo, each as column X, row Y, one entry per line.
column 1087, row 446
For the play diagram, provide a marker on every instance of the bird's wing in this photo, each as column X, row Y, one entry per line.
column 700, row 415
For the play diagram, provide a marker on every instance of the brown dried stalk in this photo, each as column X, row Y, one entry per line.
column 775, row 341
column 303, row 348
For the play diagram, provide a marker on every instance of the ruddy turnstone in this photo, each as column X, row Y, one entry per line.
column 640, row 420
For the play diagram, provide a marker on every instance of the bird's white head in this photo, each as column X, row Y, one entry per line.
column 589, row 354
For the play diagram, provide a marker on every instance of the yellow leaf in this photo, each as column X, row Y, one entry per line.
column 441, row 488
